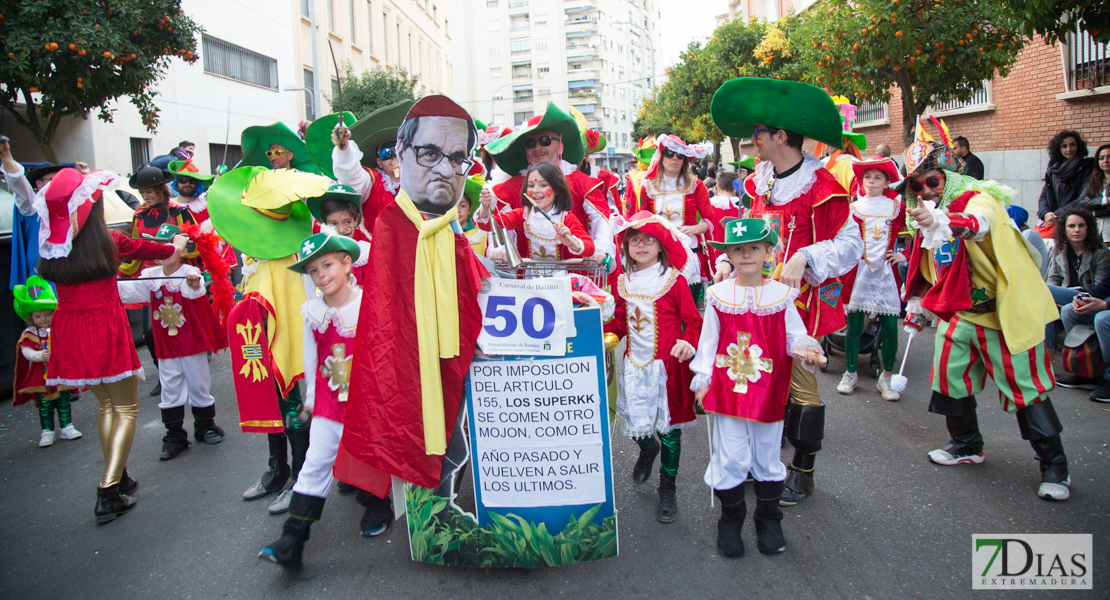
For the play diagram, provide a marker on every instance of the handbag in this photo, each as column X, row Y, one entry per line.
column 1082, row 353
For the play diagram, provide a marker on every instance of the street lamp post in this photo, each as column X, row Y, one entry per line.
column 311, row 97
column 493, row 100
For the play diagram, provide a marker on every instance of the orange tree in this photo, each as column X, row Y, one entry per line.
column 931, row 50
column 71, row 57
column 1054, row 18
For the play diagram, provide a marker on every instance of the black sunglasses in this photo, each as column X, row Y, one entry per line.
column 543, row 140
column 932, row 182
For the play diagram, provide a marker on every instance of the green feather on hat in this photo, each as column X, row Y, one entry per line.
column 791, row 105
column 508, row 151
column 35, row 295
column 257, row 140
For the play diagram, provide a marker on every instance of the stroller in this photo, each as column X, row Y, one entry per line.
column 870, row 343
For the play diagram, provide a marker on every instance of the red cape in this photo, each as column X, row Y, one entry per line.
column 383, row 431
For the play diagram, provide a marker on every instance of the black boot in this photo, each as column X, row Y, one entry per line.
column 204, row 425
column 298, row 448
column 275, row 478
column 768, row 517
column 965, row 445
column 111, row 504
column 733, row 512
column 304, row 510
column 378, row 514
column 1040, row 425
column 805, row 428
column 642, row 470
column 176, row 439
column 667, row 510
column 126, row 484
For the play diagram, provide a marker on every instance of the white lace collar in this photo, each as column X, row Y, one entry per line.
column 723, row 202
column 388, row 183
column 319, row 316
column 790, row 187
column 196, row 204
column 772, row 297
column 651, row 283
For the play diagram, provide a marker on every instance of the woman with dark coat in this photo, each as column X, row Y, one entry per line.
column 1069, row 167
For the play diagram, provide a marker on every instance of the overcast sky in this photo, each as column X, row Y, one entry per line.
column 683, row 22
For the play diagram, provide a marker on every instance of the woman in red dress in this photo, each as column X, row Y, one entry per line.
column 80, row 256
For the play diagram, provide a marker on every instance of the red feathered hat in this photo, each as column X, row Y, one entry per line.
column 886, row 165
column 674, row 242
column 63, row 205
column 674, row 144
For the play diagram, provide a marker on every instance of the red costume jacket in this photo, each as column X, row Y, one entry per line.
column 531, row 240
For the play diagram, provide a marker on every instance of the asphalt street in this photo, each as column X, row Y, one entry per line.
column 884, row 523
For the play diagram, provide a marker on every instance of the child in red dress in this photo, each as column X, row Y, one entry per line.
column 339, row 208
column 749, row 337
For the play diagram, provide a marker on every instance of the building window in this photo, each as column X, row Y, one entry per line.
column 217, row 156
column 331, row 14
column 491, row 3
column 370, row 27
column 398, row 38
column 518, row 23
column 871, row 111
column 517, row 3
column 435, row 13
column 543, row 92
column 495, row 72
column 140, row 153
column 228, row 60
column 981, row 96
column 1087, row 62
column 353, row 38
column 494, row 25
column 309, row 96
column 334, row 92
column 521, row 116
column 520, row 45
column 385, row 36
column 541, row 44
column 495, row 49
column 304, row 8
column 543, row 69
column 541, row 19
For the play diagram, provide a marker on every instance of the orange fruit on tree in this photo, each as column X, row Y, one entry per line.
column 33, row 89
column 81, row 51
column 897, row 34
column 73, row 46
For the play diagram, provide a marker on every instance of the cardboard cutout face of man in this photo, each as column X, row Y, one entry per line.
column 434, row 164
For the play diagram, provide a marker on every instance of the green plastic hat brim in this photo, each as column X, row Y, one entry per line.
column 508, row 151
column 601, row 144
column 25, row 305
column 258, row 139
column 249, row 231
column 318, row 139
column 378, row 127
column 314, row 204
column 791, row 105
column 168, row 230
column 858, row 139
column 746, row 231
column 201, row 177
column 480, row 125
column 644, row 154
column 331, row 243
column 472, row 190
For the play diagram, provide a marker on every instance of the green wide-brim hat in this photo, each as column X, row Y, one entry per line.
column 337, row 191
column 176, row 166
column 791, row 105
column 32, row 296
column 746, row 231
column 318, row 139
column 250, row 231
column 258, row 139
column 378, row 127
column 164, row 234
column 472, row 189
column 601, row 142
column 322, row 243
column 745, row 162
column 858, row 139
column 508, row 151
column 644, row 154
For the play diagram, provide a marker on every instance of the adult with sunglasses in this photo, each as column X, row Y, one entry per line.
column 672, row 190
column 376, row 174
column 419, row 321
column 810, row 213
column 980, row 276
column 554, row 137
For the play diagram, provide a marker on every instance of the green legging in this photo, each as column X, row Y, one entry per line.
column 46, row 411
column 888, row 326
column 672, row 449
column 291, row 407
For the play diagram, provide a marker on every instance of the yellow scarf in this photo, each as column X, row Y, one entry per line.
column 435, row 297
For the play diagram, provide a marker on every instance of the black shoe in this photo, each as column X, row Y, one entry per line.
column 173, row 449
column 214, row 435
column 799, row 486
column 1102, row 392
column 344, row 487
column 1076, row 382
column 111, row 504
column 730, row 544
column 667, row 510
column 642, row 470
column 127, row 485
column 768, row 517
column 377, row 516
column 304, row 510
column 157, row 391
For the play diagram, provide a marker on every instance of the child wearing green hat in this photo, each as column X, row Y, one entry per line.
column 330, row 323
column 339, row 209
column 35, row 303
column 750, row 336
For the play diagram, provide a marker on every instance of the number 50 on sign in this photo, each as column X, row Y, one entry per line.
column 524, row 317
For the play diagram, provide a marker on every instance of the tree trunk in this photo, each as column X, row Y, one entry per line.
column 735, row 143
column 717, row 152
column 909, row 107
column 47, row 147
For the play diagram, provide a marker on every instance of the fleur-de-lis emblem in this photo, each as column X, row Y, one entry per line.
column 876, row 233
column 669, row 212
column 337, row 370
column 252, row 351
column 638, row 320
column 744, row 362
column 169, row 314
column 543, row 254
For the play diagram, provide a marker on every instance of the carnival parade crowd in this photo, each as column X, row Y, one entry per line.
column 350, row 255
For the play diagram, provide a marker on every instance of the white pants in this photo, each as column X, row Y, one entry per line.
column 185, row 379
column 323, row 444
column 740, row 446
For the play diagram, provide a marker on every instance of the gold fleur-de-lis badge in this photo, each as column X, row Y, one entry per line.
column 876, row 233
column 744, row 362
column 669, row 212
column 543, row 254
column 638, row 320
column 169, row 315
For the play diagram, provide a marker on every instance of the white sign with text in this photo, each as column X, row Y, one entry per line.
column 524, row 317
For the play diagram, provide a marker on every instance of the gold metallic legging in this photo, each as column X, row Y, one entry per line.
column 119, row 406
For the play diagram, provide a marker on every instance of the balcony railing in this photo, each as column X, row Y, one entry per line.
column 980, row 97
column 872, row 111
column 522, row 99
column 523, row 27
column 1088, row 62
column 521, row 51
column 518, row 3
